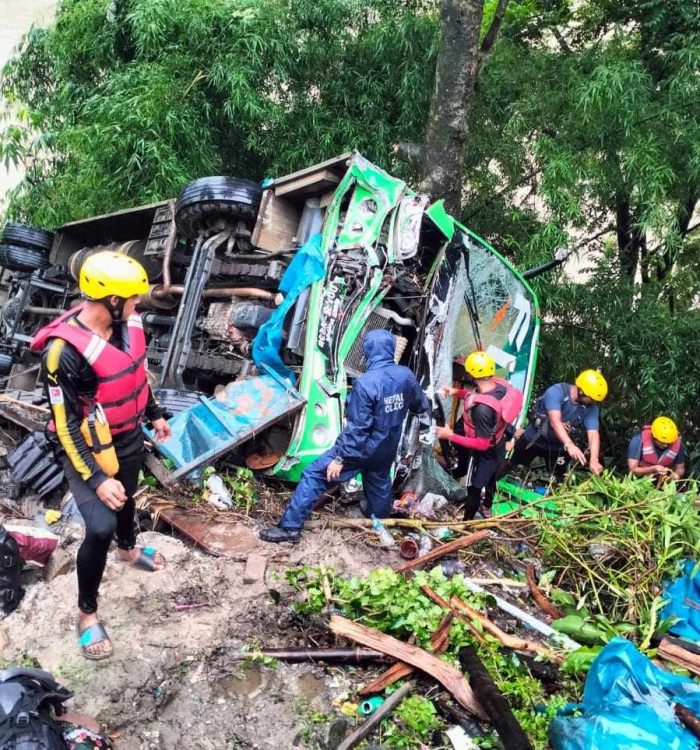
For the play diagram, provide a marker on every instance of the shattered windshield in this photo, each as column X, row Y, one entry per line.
column 487, row 306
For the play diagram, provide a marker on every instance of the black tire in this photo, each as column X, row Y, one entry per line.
column 209, row 198
column 24, row 236
column 18, row 258
column 6, row 361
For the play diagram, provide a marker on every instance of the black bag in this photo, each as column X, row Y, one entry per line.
column 28, row 700
column 11, row 564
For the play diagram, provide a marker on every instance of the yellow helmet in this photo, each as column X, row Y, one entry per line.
column 108, row 273
column 480, row 365
column 664, row 430
column 592, row 384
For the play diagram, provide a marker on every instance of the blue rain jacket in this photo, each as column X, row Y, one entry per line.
column 378, row 405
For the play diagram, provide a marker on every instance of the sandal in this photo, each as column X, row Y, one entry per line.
column 91, row 635
column 146, row 560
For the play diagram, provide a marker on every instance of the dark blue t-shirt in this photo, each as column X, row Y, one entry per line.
column 635, row 451
column 558, row 398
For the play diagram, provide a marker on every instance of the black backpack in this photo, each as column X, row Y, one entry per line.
column 11, row 564
column 28, row 700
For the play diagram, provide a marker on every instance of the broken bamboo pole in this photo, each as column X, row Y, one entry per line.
column 493, row 701
column 366, row 728
column 510, row 641
column 527, row 619
column 445, row 549
column 444, row 673
column 435, row 597
column 398, row 671
column 313, row 654
column 540, row 599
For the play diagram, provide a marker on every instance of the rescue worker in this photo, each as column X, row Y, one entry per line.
column 367, row 445
column 490, row 408
column 657, row 451
column 562, row 408
column 95, row 354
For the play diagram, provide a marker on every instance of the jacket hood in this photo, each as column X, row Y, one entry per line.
column 379, row 347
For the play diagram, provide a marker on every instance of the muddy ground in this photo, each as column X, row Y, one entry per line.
column 173, row 681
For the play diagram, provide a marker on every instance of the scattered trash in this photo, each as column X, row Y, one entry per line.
column 216, row 493
column 409, row 547
column 442, row 532
column 453, row 567
column 460, row 739
column 52, row 516
column 34, row 544
column 368, row 707
column 427, row 507
column 405, row 504
column 386, row 540
column 430, row 505
column 414, row 545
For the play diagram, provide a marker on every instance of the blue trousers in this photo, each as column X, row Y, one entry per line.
column 376, row 484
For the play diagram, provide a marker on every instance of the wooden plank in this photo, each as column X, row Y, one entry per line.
column 254, row 568
column 678, row 655
column 277, row 224
column 399, row 670
column 21, row 418
column 449, row 677
column 316, row 182
column 231, row 540
column 510, row 641
column 338, row 165
column 157, row 468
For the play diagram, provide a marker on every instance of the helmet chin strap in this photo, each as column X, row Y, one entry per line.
column 115, row 310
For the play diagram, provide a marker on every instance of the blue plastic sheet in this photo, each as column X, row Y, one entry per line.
column 683, row 597
column 628, row 705
column 211, row 427
column 308, row 265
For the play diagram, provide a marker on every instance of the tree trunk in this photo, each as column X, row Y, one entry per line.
column 683, row 216
column 627, row 249
column 459, row 59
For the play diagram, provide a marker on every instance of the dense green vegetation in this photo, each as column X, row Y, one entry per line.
column 584, row 135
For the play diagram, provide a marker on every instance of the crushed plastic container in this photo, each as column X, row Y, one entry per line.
column 217, row 494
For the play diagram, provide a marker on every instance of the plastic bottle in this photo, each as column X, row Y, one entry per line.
column 386, row 540
column 425, row 544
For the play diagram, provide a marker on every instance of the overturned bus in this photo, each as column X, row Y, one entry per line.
column 261, row 295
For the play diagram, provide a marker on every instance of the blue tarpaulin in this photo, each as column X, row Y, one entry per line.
column 683, row 597
column 627, row 705
column 307, row 266
column 212, row 427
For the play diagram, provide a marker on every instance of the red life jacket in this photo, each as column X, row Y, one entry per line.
column 650, row 455
column 507, row 409
column 122, row 387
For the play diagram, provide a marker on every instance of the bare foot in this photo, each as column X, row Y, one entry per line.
column 132, row 556
column 100, row 648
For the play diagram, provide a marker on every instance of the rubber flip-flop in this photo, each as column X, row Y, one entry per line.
column 146, row 560
column 91, row 635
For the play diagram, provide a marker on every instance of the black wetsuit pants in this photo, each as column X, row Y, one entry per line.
column 101, row 525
